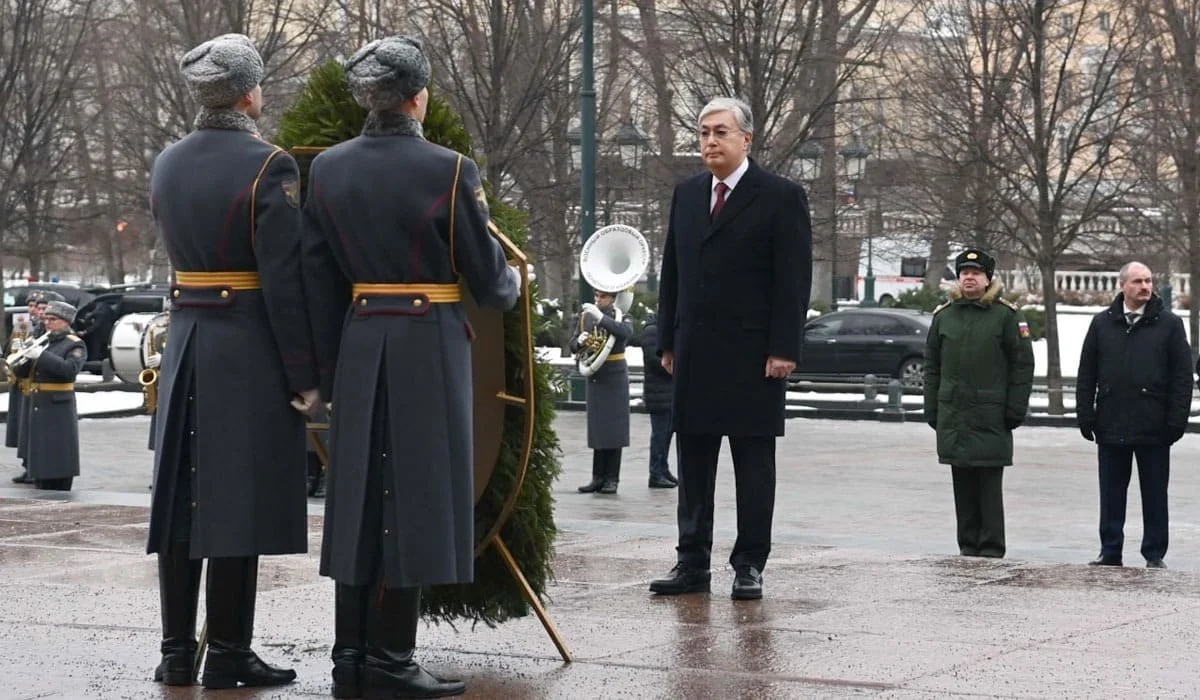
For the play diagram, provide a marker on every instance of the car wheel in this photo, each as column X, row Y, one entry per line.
column 887, row 301
column 912, row 372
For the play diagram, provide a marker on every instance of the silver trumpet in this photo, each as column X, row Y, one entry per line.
column 21, row 356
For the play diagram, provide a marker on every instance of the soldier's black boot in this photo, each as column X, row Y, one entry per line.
column 23, row 478
column 391, row 671
column 350, row 640
column 597, row 473
column 178, row 591
column 232, row 588
column 612, row 471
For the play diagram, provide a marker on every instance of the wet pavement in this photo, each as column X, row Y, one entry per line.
column 864, row 596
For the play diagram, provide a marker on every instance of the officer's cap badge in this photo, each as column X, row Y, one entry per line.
column 972, row 256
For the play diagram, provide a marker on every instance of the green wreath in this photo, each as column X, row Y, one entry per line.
column 326, row 114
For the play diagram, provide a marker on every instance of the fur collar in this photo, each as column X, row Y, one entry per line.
column 224, row 118
column 989, row 295
column 391, row 123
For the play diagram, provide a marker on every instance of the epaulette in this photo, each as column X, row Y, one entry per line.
column 1009, row 304
column 943, row 305
column 74, row 338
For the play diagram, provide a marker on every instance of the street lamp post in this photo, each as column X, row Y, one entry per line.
column 587, row 161
column 855, row 155
column 808, row 168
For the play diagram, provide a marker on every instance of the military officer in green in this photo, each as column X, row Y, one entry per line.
column 978, row 375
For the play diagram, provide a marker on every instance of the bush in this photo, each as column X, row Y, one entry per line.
column 821, row 307
column 922, row 298
column 1036, row 318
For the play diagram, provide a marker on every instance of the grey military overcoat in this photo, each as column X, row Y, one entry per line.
column 379, row 209
column 227, row 201
column 52, row 421
column 608, row 387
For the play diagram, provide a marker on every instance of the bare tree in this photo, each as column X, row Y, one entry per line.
column 40, row 52
column 1067, row 134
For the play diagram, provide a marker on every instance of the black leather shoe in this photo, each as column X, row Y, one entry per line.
column 683, row 579
column 608, row 488
column 661, row 482
column 1106, row 560
column 747, row 584
column 23, row 478
column 591, row 486
column 176, row 668
column 1155, row 564
column 671, row 477
column 968, row 552
column 227, row 667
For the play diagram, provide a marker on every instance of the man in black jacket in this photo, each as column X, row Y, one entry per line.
column 1133, row 397
column 656, row 396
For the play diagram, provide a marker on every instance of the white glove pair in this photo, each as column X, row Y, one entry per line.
column 593, row 311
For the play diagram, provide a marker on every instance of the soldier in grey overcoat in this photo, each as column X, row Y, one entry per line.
column 607, row 394
column 392, row 224
column 229, row 484
column 53, row 423
column 16, row 389
column 36, row 302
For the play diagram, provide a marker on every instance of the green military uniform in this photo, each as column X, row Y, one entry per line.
column 978, row 376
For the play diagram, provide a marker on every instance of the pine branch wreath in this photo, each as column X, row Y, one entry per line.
column 326, row 114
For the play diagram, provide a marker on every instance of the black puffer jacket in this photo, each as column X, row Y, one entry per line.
column 1135, row 382
column 656, row 387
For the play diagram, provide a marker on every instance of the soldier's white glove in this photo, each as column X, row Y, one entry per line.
column 583, row 338
column 305, row 401
column 154, row 361
column 531, row 272
column 593, row 311
column 36, row 352
column 515, row 274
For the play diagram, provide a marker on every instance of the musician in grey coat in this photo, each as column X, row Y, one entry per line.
column 52, row 420
column 607, row 394
column 392, row 224
column 229, row 481
column 17, row 430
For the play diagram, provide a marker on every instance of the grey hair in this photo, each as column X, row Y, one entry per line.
column 1123, row 276
column 739, row 109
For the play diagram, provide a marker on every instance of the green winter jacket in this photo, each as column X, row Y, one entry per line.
column 978, row 375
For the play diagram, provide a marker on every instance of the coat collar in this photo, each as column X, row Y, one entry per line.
column 1154, row 307
column 740, row 198
column 989, row 295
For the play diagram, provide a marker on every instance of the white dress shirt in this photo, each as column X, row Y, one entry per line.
column 730, row 182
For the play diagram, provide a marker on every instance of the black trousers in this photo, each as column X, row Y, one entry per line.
column 754, row 475
column 1154, row 470
column 979, row 509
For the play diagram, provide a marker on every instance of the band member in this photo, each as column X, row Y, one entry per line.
column 22, row 333
column 607, row 395
column 36, row 303
column 385, row 247
column 736, row 276
column 236, row 374
column 52, row 420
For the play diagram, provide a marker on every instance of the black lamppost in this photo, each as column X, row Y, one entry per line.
column 855, row 155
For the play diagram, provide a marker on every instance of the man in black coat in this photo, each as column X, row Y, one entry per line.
column 736, row 276
column 656, row 397
column 393, row 225
column 1133, row 397
column 237, row 373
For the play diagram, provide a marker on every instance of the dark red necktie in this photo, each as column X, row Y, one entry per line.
column 722, row 188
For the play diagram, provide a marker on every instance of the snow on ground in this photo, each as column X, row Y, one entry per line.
column 98, row 401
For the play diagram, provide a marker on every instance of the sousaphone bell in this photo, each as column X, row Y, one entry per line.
column 613, row 259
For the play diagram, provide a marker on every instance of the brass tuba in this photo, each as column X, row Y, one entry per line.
column 612, row 260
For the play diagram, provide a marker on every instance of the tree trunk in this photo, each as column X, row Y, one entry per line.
column 1053, row 364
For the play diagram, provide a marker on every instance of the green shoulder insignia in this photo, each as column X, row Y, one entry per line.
column 943, row 305
column 1009, row 304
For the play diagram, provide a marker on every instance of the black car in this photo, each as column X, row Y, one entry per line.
column 848, row 345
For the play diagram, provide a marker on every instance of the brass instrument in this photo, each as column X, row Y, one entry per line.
column 612, row 261
column 21, row 356
column 154, row 342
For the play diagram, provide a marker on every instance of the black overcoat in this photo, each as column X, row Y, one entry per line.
column 52, row 420
column 733, row 292
column 656, row 381
column 227, row 201
column 379, row 210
